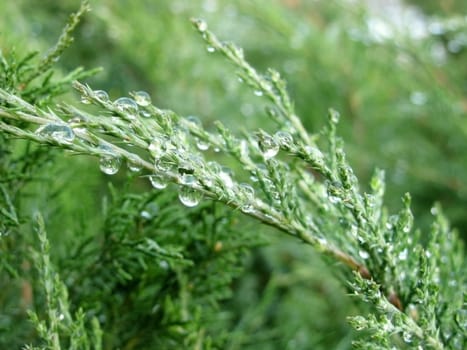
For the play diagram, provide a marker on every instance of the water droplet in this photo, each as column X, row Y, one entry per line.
column 61, row 317
column 144, row 114
column 188, row 179
column 127, row 105
column 202, row 145
column 363, row 254
column 258, row 92
column 142, row 98
column 110, row 164
column 164, row 164
column 434, row 211
column 201, row 25
column 284, row 139
column 194, row 120
column 101, row 95
column 189, row 196
column 134, row 165
column 225, row 175
column 156, row 148
column 61, row 133
column 158, row 181
column 248, row 193
column 210, row 49
column 268, row 147
column 314, row 153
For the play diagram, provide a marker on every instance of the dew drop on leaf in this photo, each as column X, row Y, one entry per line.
column 194, row 120
column 158, row 181
column 189, row 196
column 284, row 139
column 268, row 147
column 101, row 95
column 144, row 114
column 134, row 166
column 109, row 164
column 126, row 105
column 202, row 145
column 142, row 98
column 155, row 148
column 61, row 133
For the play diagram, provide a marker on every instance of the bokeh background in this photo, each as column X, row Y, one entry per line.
column 395, row 70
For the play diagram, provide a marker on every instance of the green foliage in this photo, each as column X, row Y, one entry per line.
column 131, row 267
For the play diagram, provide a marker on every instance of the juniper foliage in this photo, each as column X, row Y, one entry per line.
column 146, row 272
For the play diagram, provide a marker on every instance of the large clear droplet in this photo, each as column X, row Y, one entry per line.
column 284, row 139
column 127, row 105
column 61, row 133
column 110, row 164
column 142, row 98
column 158, row 181
column 189, row 196
column 268, row 147
column 101, row 95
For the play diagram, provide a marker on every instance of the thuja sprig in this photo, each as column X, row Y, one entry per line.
column 303, row 190
column 58, row 326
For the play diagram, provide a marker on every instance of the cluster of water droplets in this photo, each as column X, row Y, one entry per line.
column 60, row 132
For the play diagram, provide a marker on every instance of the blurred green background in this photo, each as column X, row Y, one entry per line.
column 395, row 71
